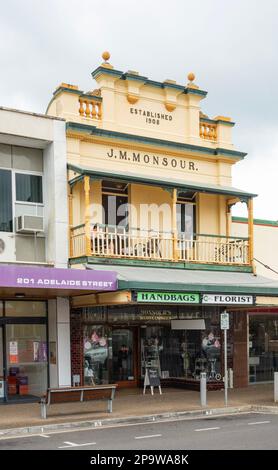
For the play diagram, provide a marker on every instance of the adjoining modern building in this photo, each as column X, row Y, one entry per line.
column 150, row 197
column 35, row 282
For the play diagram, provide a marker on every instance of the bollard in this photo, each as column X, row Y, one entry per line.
column 275, row 386
column 203, row 388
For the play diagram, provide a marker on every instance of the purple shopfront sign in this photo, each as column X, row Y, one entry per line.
column 57, row 278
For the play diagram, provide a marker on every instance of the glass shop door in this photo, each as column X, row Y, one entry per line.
column 124, row 347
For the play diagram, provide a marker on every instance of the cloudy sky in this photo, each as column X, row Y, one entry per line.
column 231, row 46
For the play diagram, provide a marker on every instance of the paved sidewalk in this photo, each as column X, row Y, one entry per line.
column 132, row 403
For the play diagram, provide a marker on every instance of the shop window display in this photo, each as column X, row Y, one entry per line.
column 95, row 355
column 211, row 351
column 181, row 354
column 27, row 358
column 151, row 350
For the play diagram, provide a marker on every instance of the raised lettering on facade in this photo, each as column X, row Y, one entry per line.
column 154, row 160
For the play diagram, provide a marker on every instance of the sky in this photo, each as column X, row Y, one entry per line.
column 231, row 46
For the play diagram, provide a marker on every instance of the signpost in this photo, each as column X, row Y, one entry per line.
column 225, row 327
column 152, row 379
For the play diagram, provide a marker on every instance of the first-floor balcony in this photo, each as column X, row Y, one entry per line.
column 106, row 241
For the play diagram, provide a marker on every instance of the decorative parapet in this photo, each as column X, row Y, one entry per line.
column 117, row 88
column 90, row 106
column 211, row 129
column 171, row 93
column 66, row 88
column 134, row 82
column 208, row 129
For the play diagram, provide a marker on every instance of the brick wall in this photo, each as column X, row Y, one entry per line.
column 241, row 376
column 76, row 339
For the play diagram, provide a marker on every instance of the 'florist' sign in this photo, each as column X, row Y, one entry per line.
column 228, row 299
column 168, row 297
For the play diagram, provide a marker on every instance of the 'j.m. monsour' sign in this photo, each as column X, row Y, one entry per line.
column 151, row 159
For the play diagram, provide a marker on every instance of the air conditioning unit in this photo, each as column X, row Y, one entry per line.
column 7, row 247
column 29, row 223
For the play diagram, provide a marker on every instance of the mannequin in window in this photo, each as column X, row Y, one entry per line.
column 123, row 356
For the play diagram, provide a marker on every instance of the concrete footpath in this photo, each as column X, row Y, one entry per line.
column 131, row 406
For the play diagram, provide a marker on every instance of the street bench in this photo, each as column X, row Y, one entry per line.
column 77, row 394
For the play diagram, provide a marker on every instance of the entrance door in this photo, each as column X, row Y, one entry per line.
column 124, row 357
column 263, row 347
column 1, row 365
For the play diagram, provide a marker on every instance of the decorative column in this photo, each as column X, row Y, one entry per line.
column 87, row 216
column 251, row 231
column 70, row 196
column 228, row 219
column 174, row 225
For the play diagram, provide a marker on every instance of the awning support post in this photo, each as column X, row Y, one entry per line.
column 228, row 220
column 87, row 216
column 251, row 232
column 174, row 224
column 70, row 196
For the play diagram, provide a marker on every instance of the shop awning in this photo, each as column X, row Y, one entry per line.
column 186, row 280
column 44, row 281
column 129, row 177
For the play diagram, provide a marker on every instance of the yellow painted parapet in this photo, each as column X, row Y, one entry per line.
column 69, row 86
column 171, row 95
column 133, row 85
column 89, row 107
column 222, row 118
column 131, row 103
column 208, row 131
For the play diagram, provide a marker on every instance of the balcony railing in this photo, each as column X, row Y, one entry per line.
column 117, row 242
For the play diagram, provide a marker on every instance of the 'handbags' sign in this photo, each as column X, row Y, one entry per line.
column 168, row 297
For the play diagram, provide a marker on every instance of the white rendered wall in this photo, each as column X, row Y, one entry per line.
column 46, row 133
column 56, row 208
column 63, row 343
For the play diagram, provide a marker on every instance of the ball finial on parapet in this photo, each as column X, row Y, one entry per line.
column 191, row 76
column 106, row 56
